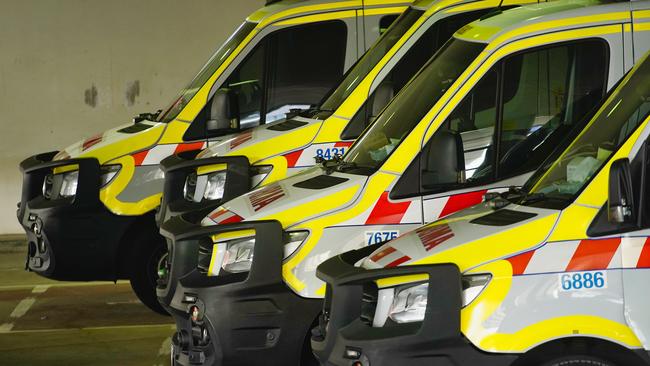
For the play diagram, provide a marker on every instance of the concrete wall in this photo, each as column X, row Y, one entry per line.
column 72, row 68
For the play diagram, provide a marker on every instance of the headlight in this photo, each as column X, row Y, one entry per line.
column 207, row 186
column 409, row 303
column 108, row 172
column 236, row 255
column 69, row 183
column 239, row 255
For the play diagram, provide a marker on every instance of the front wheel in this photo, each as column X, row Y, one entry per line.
column 578, row 361
column 149, row 258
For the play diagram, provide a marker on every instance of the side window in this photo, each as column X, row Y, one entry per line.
column 408, row 65
column 521, row 110
column 547, row 93
column 299, row 73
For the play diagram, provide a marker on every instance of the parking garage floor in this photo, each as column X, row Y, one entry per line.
column 45, row 322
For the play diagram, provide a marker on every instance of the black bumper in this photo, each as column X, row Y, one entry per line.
column 72, row 239
column 178, row 167
column 252, row 318
column 344, row 338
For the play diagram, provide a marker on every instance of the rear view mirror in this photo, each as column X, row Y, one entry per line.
column 620, row 200
column 223, row 115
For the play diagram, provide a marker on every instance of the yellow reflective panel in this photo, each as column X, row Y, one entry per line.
column 229, row 235
column 205, row 169
column 317, row 18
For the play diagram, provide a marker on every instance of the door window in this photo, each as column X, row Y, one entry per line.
column 521, row 110
column 291, row 68
column 549, row 92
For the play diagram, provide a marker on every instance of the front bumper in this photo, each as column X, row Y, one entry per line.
column 344, row 338
column 178, row 167
column 251, row 318
column 72, row 239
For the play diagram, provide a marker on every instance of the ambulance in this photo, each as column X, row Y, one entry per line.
column 479, row 117
column 196, row 184
column 89, row 209
column 551, row 274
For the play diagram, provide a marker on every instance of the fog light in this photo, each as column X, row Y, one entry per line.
column 352, row 354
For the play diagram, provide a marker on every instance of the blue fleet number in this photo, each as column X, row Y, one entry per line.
column 576, row 281
column 330, row 152
column 375, row 237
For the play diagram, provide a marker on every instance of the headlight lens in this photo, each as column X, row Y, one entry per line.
column 207, row 186
column 239, row 255
column 215, row 185
column 69, row 183
column 409, row 304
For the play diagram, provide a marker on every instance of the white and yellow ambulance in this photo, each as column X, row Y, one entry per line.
column 482, row 114
column 551, row 274
column 89, row 209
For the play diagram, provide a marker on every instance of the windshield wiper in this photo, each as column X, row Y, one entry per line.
column 147, row 116
column 336, row 163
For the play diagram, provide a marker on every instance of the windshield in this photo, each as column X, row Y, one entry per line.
column 370, row 59
column 202, row 77
column 412, row 103
column 562, row 179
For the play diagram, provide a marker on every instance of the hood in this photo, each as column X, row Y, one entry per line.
column 267, row 140
column 469, row 238
column 292, row 200
column 115, row 142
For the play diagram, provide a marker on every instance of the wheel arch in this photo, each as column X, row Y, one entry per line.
column 591, row 346
column 145, row 225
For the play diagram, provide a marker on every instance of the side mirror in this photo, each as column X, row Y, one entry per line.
column 223, row 117
column 444, row 160
column 620, row 200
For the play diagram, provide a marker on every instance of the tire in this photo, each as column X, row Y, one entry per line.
column 578, row 360
column 144, row 271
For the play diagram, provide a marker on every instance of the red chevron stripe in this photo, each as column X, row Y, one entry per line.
column 644, row 257
column 520, row 262
column 461, row 201
column 292, row 158
column 139, row 157
column 593, row 254
column 386, row 212
column 188, row 147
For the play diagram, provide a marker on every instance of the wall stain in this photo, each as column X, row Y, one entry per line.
column 132, row 91
column 90, row 96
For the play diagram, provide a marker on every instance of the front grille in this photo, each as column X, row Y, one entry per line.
column 369, row 302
